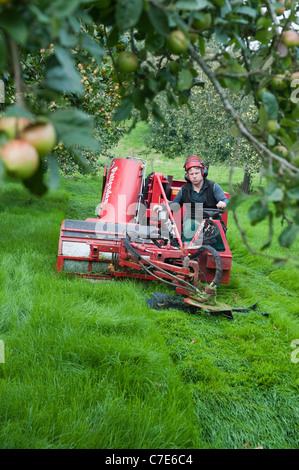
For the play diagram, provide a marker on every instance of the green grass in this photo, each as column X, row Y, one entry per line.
column 88, row 365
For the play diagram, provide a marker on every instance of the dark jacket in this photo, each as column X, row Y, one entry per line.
column 209, row 195
column 205, row 196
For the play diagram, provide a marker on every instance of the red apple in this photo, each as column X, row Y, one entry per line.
column 290, row 38
column 281, row 149
column 280, row 10
column 41, row 136
column 177, row 42
column 20, row 158
column 127, row 62
column 13, row 125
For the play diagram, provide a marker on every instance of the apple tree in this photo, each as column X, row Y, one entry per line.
column 165, row 44
column 204, row 128
column 64, row 93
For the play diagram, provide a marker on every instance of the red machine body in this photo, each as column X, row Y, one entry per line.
column 128, row 239
column 121, row 190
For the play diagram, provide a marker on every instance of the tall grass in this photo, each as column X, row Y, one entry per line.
column 88, row 365
column 85, row 366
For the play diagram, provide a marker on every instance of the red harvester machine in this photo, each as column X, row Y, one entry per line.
column 128, row 239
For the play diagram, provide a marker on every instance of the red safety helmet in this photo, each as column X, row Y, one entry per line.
column 192, row 161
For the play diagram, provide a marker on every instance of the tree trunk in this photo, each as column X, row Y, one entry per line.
column 245, row 186
column 261, row 175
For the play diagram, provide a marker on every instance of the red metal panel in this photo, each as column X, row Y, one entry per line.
column 120, row 196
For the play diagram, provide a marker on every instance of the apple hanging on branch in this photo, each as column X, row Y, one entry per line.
column 20, row 158
column 41, row 136
column 28, row 142
column 127, row 62
column 12, row 126
column 290, row 38
column 177, row 42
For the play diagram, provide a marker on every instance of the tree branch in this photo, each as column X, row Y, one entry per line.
column 18, row 79
column 259, row 146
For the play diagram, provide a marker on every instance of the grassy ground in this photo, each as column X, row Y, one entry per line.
column 88, row 365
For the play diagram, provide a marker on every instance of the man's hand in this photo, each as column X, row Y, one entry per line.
column 157, row 208
column 221, row 205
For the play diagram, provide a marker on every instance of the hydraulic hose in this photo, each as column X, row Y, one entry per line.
column 211, row 238
column 219, row 268
column 139, row 257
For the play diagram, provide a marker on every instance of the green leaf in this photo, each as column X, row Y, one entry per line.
column 54, row 173
column 264, row 36
column 66, row 39
column 19, row 111
column 157, row 114
column 263, row 118
column 258, row 212
column 127, row 13
column 64, row 77
column 244, row 10
column 62, row 9
column 74, row 128
column 271, row 105
column 192, row 4
column 165, row 76
column 270, row 140
column 93, row 47
column 295, row 148
column 242, row 45
column 77, row 155
column 293, row 193
column 273, row 193
column 154, row 42
column 158, row 19
column 236, row 200
column 202, row 45
column 185, row 80
column 15, row 26
column 234, row 130
column 276, row 196
column 288, row 236
column 171, row 98
column 124, row 110
column 264, row 22
column 138, row 98
column 235, row 83
column 221, row 36
column 35, row 183
column 40, row 15
column 113, row 37
column 227, row 8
